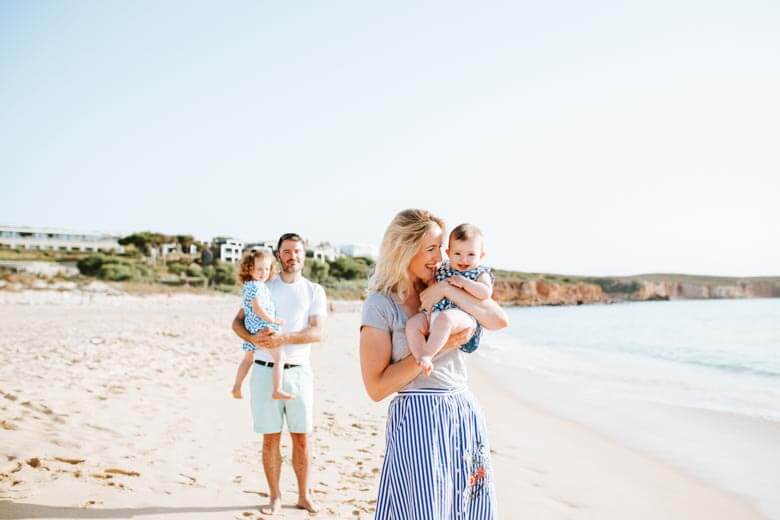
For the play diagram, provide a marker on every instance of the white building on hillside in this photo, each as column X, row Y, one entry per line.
column 267, row 244
column 49, row 239
column 170, row 248
column 229, row 249
column 325, row 251
column 360, row 250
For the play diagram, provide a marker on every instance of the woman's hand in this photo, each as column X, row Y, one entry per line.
column 457, row 339
column 431, row 296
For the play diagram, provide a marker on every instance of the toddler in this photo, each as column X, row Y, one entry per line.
column 465, row 251
column 257, row 266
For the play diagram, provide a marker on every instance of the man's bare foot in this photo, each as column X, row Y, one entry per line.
column 281, row 395
column 308, row 504
column 273, row 507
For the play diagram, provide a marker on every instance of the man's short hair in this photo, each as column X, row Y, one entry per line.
column 295, row 237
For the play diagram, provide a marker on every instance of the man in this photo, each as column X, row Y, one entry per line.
column 302, row 306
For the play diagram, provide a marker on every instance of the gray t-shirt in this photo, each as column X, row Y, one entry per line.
column 384, row 313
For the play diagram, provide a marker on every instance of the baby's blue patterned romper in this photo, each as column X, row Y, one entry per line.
column 446, row 271
column 254, row 289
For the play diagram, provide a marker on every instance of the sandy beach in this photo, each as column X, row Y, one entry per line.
column 120, row 407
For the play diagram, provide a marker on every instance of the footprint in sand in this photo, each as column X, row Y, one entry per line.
column 69, row 460
column 259, row 493
column 191, row 481
column 120, row 471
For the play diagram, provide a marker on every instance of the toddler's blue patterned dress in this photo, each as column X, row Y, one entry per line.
column 254, row 289
column 446, row 271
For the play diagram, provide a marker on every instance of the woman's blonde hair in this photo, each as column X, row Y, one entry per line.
column 247, row 264
column 399, row 245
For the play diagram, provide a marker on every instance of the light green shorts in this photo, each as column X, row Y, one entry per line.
column 269, row 415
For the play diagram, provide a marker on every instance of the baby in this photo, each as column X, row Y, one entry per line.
column 257, row 266
column 463, row 270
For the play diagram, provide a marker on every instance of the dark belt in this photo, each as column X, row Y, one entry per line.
column 267, row 364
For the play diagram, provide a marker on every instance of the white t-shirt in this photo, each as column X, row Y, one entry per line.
column 295, row 302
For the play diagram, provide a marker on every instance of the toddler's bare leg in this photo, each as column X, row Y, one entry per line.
column 241, row 373
column 277, row 354
column 416, row 332
column 443, row 324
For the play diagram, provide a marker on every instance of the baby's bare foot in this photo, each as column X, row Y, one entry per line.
column 274, row 506
column 281, row 395
column 426, row 364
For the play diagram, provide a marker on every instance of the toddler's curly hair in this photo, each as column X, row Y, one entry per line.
column 247, row 264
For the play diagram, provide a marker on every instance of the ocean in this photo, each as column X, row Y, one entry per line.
column 695, row 383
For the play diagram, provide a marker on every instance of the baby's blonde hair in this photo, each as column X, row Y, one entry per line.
column 399, row 245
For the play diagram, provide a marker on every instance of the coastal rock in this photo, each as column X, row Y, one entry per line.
column 693, row 290
column 539, row 291
column 655, row 291
column 544, row 292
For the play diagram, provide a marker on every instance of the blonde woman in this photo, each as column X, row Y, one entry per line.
column 437, row 459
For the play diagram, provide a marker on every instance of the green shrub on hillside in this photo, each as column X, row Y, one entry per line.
column 208, row 273
column 172, row 280
column 349, row 268
column 316, row 270
column 145, row 240
column 115, row 272
column 90, row 266
column 194, row 270
column 112, row 268
column 177, row 268
column 615, row 286
column 224, row 274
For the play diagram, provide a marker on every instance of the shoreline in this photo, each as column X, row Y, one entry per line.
column 141, row 385
column 567, row 469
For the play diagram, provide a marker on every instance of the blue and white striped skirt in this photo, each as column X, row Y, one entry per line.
column 437, row 459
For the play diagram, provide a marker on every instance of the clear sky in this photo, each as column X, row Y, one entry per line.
column 582, row 137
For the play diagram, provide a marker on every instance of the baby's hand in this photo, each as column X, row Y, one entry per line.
column 279, row 321
column 456, row 281
column 237, row 392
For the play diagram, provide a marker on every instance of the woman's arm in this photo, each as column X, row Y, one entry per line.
column 481, row 288
column 381, row 377
column 487, row 312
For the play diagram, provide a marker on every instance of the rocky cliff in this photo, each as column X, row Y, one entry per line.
column 673, row 290
column 541, row 291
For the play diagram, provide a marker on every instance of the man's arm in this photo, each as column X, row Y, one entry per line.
column 239, row 329
column 311, row 334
